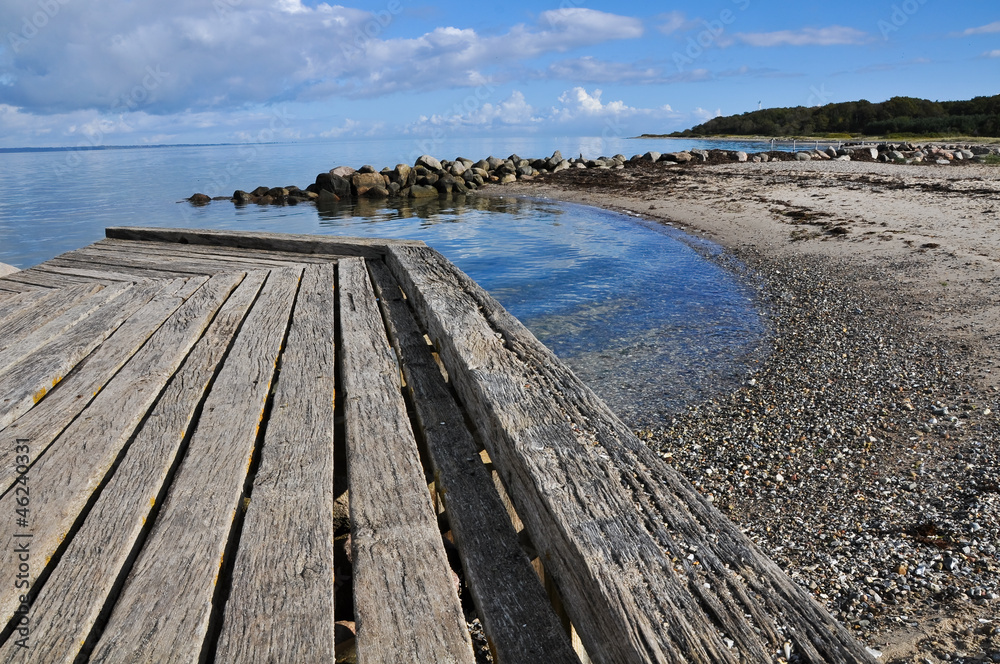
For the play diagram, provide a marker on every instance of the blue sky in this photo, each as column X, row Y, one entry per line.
column 125, row 72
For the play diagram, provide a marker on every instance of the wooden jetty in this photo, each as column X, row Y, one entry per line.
column 243, row 447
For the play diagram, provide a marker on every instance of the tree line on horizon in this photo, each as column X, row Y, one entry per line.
column 908, row 116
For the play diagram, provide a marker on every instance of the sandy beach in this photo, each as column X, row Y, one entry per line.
column 862, row 451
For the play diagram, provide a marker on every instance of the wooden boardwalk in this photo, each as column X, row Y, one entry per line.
column 245, row 447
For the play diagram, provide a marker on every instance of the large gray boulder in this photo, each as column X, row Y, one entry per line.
column 7, row 269
column 428, row 162
column 343, row 171
column 423, row 191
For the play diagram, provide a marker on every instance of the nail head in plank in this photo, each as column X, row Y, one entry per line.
column 167, row 601
column 513, row 606
column 406, row 605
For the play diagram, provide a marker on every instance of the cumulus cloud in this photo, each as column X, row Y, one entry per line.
column 123, row 56
column 835, row 35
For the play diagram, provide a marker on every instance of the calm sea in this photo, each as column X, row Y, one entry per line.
column 632, row 306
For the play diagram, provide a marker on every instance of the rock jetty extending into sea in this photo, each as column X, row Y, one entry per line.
column 429, row 177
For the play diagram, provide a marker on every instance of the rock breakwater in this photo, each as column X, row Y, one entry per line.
column 430, row 177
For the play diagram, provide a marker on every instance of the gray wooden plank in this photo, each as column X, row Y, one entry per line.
column 53, row 267
column 35, row 311
column 33, row 277
column 166, row 603
column 306, row 244
column 96, row 439
column 513, row 606
column 67, row 608
column 74, row 305
column 117, row 260
column 608, row 517
column 405, row 604
column 48, row 418
column 26, row 380
column 221, row 257
column 219, row 252
column 78, row 262
column 18, row 301
column 18, row 287
column 281, row 604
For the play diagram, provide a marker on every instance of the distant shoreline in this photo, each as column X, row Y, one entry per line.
column 853, row 140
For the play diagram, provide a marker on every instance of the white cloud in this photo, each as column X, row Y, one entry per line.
column 703, row 115
column 591, row 70
column 992, row 54
column 990, row 28
column 199, row 56
column 832, row 36
column 671, row 22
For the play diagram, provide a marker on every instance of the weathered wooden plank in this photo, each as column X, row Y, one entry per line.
column 281, row 604
column 218, row 252
column 83, row 301
column 406, row 606
column 611, row 522
column 67, row 609
column 32, row 277
column 30, row 370
column 513, row 606
column 39, row 310
column 17, row 287
column 73, row 261
column 120, row 260
column 47, row 419
column 105, row 276
column 223, row 258
column 96, row 439
column 17, row 301
column 305, row 244
column 166, row 603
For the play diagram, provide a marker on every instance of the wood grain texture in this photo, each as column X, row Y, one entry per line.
column 34, row 278
column 164, row 608
column 281, row 604
column 28, row 315
column 17, row 301
column 304, row 244
column 47, row 419
column 75, row 470
column 73, row 304
column 26, row 380
column 612, row 523
column 513, row 606
column 68, row 606
column 223, row 257
column 100, row 267
column 215, row 252
column 170, row 264
column 406, row 605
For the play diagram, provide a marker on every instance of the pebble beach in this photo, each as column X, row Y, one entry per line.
column 861, row 451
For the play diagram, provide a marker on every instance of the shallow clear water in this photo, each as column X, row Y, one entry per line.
column 640, row 315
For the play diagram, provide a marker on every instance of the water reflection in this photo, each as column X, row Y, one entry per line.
column 631, row 306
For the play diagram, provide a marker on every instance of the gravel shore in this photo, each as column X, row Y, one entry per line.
column 863, row 450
